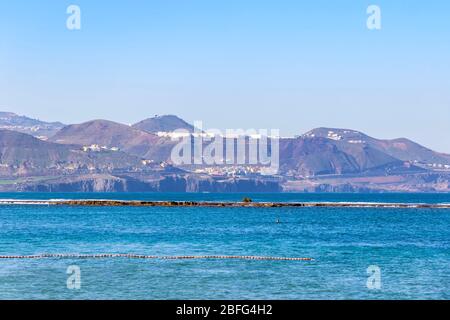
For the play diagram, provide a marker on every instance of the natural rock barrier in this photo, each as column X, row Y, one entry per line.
column 123, row 203
column 148, row 257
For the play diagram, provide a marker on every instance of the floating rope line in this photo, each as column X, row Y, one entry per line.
column 136, row 256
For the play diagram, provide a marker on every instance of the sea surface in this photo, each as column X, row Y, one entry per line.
column 410, row 248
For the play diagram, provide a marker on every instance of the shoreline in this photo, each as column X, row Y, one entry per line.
column 220, row 204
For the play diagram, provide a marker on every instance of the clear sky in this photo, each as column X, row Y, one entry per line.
column 292, row 65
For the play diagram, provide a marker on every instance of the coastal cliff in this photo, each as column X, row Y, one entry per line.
column 109, row 183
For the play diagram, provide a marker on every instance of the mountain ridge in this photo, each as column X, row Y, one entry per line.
column 321, row 159
column 401, row 148
column 44, row 130
column 165, row 123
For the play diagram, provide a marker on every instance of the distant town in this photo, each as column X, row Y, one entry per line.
column 102, row 155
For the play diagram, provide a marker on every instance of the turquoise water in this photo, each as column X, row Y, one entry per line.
column 410, row 246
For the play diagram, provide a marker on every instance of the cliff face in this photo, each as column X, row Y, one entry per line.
column 232, row 185
column 109, row 183
column 425, row 182
column 95, row 183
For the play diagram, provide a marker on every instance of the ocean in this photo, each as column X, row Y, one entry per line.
column 409, row 248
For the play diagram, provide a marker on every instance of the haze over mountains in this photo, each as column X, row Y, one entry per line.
column 11, row 121
column 102, row 155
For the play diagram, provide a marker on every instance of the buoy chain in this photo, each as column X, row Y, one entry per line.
column 137, row 256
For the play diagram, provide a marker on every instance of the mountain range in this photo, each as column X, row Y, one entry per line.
column 37, row 128
column 102, row 155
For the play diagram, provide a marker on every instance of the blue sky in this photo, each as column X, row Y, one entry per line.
column 292, row 65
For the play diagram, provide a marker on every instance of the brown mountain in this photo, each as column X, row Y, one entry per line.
column 115, row 135
column 314, row 156
column 24, row 154
column 167, row 123
column 403, row 149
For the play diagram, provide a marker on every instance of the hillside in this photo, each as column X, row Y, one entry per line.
column 37, row 128
column 166, row 123
column 402, row 149
column 22, row 154
column 115, row 135
column 315, row 156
